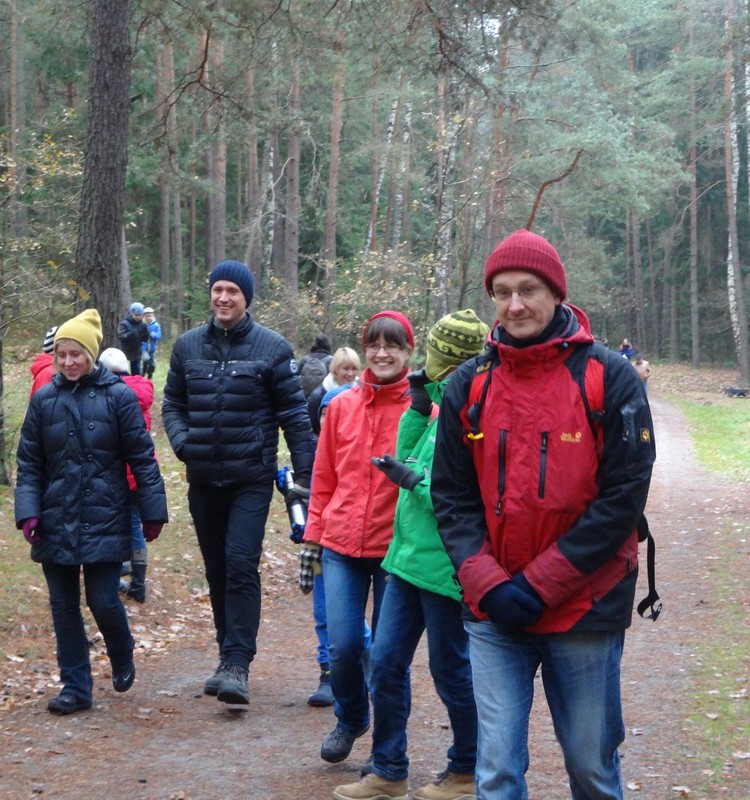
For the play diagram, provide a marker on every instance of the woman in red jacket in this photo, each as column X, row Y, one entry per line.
column 352, row 506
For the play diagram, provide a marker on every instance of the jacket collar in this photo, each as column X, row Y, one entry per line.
column 240, row 329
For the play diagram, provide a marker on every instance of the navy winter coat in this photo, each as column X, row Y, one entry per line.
column 227, row 394
column 76, row 440
column 132, row 335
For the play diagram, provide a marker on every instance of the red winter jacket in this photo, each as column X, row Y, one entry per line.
column 352, row 503
column 144, row 391
column 535, row 494
column 42, row 368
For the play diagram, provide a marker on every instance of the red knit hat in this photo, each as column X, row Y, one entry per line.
column 527, row 251
column 402, row 320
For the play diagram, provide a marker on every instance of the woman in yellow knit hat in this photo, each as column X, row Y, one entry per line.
column 73, row 502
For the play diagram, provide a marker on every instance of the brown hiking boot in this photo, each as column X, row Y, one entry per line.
column 449, row 786
column 372, row 787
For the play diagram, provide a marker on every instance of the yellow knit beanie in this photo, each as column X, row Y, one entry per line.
column 86, row 329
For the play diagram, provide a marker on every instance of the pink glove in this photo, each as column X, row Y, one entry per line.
column 29, row 526
column 151, row 530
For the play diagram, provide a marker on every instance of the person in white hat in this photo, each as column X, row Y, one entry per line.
column 114, row 360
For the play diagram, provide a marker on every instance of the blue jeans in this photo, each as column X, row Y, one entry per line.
column 404, row 615
column 136, row 528
column 321, row 624
column 319, row 615
column 347, row 585
column 581, row 679
column 102, row 582
column 230, row 522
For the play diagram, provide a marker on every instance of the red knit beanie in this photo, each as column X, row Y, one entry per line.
column 527, row 251
column 402, row 320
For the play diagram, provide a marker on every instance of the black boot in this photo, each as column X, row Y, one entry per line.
column 137, row 588
column 324, row 696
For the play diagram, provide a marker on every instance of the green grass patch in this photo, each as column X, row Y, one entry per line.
column 721, row 434
column 719, row 688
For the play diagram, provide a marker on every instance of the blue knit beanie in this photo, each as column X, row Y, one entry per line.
column 235, row 272
column 136, row 308
column 328, row 396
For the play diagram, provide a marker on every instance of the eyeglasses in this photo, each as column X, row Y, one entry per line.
column 390, row 349
column 525, row 293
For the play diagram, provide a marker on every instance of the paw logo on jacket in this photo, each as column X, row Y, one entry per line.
column 575, row 438
column 293, row 366
column 645, row 435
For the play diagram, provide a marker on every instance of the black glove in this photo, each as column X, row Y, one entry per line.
column 513, row 605
column 420, row 400
column 397, row 471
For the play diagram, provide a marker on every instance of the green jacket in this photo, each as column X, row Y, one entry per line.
column 416, row 553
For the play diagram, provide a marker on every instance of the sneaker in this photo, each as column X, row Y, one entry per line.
column 338, row 744
column 65, row 704
column 449, row 786
column 123, row 677
column 233, row 686
column 324, row 696
column 212, row 684
column 372, row 787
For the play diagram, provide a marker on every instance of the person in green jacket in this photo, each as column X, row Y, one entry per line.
column 422, row 592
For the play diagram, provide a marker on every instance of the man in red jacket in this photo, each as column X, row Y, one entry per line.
column 537, row 505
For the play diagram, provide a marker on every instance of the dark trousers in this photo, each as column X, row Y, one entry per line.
column 230, row 522
column 102, row 582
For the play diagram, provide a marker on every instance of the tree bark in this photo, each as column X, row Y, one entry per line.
column 735, row 291
column 103, row 193
column 329, row 230
column 292, row 221
column 254, row 242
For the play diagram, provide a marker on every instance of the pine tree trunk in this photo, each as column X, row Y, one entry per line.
column 329, row 230
column 254, row 240
column 173, row 296
column 103, row 192
column 292, row 221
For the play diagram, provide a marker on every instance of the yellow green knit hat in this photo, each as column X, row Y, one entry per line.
column 86, row 329
column 453, row 339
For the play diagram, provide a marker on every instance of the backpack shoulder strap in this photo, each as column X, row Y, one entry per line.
column 480, row 385
column 651, row 600
column 586, row 365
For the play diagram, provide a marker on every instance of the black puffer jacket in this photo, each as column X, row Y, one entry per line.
column 76, row 440
column 227, row 394
column 132, row 334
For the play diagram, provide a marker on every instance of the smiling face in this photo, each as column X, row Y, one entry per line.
column 72, row 359
column 345, row 372
column 524, row 303
column 386, row 360
column 228, row 303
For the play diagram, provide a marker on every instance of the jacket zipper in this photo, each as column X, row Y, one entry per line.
column 501, row 456
column 543, row 463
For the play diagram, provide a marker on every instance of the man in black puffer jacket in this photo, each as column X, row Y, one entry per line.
column 232, row 384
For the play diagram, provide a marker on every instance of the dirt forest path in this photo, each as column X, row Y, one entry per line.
column 163, row 740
